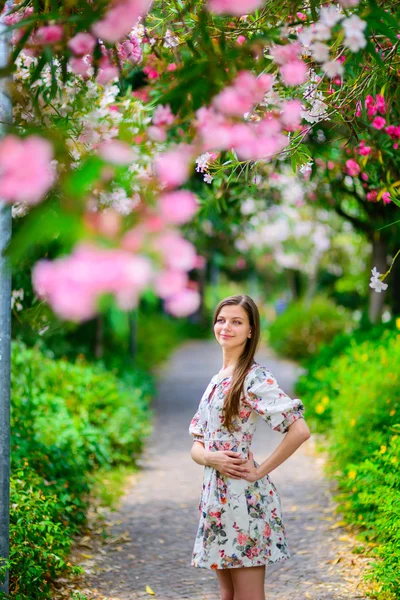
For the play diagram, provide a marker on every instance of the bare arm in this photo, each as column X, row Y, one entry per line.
column 198, row 453
column 297, row 434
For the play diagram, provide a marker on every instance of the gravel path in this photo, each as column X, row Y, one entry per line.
column 152, row 533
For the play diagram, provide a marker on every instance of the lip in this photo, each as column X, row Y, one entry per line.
column 225, row 336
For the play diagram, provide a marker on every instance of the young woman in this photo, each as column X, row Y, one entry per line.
column 241, row 528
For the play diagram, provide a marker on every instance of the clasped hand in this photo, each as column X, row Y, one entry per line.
column 231, row 464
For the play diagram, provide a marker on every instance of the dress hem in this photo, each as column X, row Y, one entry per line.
column 268, row 562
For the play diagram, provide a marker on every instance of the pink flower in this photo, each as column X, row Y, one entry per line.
column 352, row 168
column 178, row 253
column 172, row 167
column 294, row 72
column 168, row 283
column 372, row 195
column 378, row 123
column 177, row 207
column 386, row 198
column 380, row 104
column 184, row 303
column 240, row 40
column 285, row 54
column 363, row 149
column 107, row 72
column 49, row 34
column 163, row 116
column 364, row 176
column 73, row 284
column 79, row 66
column 157, row 134
column 120, row 19
column 370, row 106
column 244, row 93
column 291, row 114
column 116, row 152
column 393, row 131
column 82, row 43
column 171, row 67
column 242, row 539
column 130, row 50
column 234, row 7
column 26, row 174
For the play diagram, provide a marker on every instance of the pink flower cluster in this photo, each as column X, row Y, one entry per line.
column 74, row 284
column 163, row 117
column 26, row 174
column 219, row 128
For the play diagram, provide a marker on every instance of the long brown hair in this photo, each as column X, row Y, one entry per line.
column 232, row 400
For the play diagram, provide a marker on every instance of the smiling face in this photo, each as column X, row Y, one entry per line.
column 232, row 326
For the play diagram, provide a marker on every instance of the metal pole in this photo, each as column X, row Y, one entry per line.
column 5, row 332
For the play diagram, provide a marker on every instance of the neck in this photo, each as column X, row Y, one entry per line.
column 230, row 357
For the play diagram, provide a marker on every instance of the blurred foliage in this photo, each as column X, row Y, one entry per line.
column 351, row 392
column 304, row 327
column 68, row 421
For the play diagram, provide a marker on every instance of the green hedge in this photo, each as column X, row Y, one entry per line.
column 355, row 400
column 303, row 328
column 67, row 421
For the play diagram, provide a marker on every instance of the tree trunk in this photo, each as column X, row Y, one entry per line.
column 379, row 260
column 99, row 346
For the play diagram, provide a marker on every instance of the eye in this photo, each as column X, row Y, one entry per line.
column 238, row 322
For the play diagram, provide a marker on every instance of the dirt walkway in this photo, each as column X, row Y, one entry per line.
column 153, row 531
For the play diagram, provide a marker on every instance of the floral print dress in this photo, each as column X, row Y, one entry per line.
column 240, row 521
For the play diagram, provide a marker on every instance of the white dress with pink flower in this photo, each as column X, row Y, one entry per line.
column 240, row 522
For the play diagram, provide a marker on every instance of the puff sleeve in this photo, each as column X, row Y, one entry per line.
column 196, row 429
column 266, row 398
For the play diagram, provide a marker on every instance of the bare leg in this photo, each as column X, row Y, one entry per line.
column 225, row 583
column 248, row 583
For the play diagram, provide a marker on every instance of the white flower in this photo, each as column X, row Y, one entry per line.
column 248, row 207
column 333, row 68
column 202, row 161
column 330, row 15
column 207, row 178
column 353, row 24
column 170, row 40
column 305, row 36
column 322, row 32
column 355, row 41
column 376, row 283
column 320, row 52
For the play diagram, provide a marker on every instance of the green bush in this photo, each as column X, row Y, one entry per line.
column 67, row 421
column 302, row 329
column 355, row 400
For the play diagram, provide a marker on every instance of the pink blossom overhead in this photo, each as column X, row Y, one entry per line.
column 184, row 303
column 172, row 167
column 363, row 149
column 177, row 207
column 82, row 43
column 294, row 72
column 73, row 284
column 386, row 198
column 120, row 19
column 234, row 7
column 372, row 196
column 167, row 283
column 26, row 174
column 130, row 50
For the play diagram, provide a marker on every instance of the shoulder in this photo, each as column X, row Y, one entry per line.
column 257, row 374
